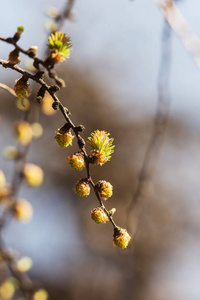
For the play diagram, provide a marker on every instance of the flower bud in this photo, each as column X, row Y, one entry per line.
column 64, row 137
column 21, row 88
column 82, row 188
column 105, row 189
column 23, row 211
column 23, row 132
column 121, row 238
column 76, row 161
column 98, row 157
column 99, row 215
column 24, row 264
column 33, row 175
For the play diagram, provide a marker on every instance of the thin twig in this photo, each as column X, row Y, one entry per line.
column 8, row 89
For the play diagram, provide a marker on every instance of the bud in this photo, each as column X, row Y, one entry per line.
column 24, row 264
column 2, row 179
column 102, row 147
column 7, row 290
column 112, row 211
column 32, row 51
column 76, row 161
column 23, row 211
column 121, row 238
column 41, row 294
column 20, row 28
column 99, row 215
column 64, row 137
column 21, row 88
column 33, row 175
column 10, row 152
column 82, row 188
column 14, row 57
column 60, row 46
column 105, row 189
column 23, row 132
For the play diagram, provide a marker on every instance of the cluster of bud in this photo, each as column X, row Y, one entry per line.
column 33, row 175
column 98, row 215
column 121, row 238
column 76, row 161
column 82, row 188
column 22, row 211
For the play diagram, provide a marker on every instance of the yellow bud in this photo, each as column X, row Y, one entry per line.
column 82, row 188
column 105, row 189
column 121, row 238
column 24, row 264
column 7, row 290
column 76, row 161
column 41, row 294
column 64, row 139
column 23, row 132
column 46, row 105
column 33, row 175
column 23, row 211
column 99, row 215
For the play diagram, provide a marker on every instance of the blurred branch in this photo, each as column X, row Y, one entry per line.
column 157, row 137
column 7, row 88
column 179, row 25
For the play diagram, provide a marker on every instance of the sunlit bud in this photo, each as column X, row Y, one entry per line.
column 99, row 215
column 105, row 189
column 60, row 46
column 121, row 238
column 23, row 211
column 23, row 132
column 112, row 211
column 21, row 88
column 37, row 130
column 102, row 147
column 76, row 161
column 14, row 57
column 33, row 175
column 7, row 290
column 64, row 137
column 24, row 264
column 20, row 28
column 2, row 179
column 41, row 294
column 82, row 188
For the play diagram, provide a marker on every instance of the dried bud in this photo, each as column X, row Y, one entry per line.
column 76, row 161
column 55, row 105
column 105, row 189
column 64, row 137
column 32, row 51
column 121, row 238
column 33, row 175
column 21, row 88
column 23, row 132
column 82, row 188
column 23, row 211
column 99, row 215
column 14, row 57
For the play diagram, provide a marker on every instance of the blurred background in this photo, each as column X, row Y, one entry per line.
column 112, row 84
